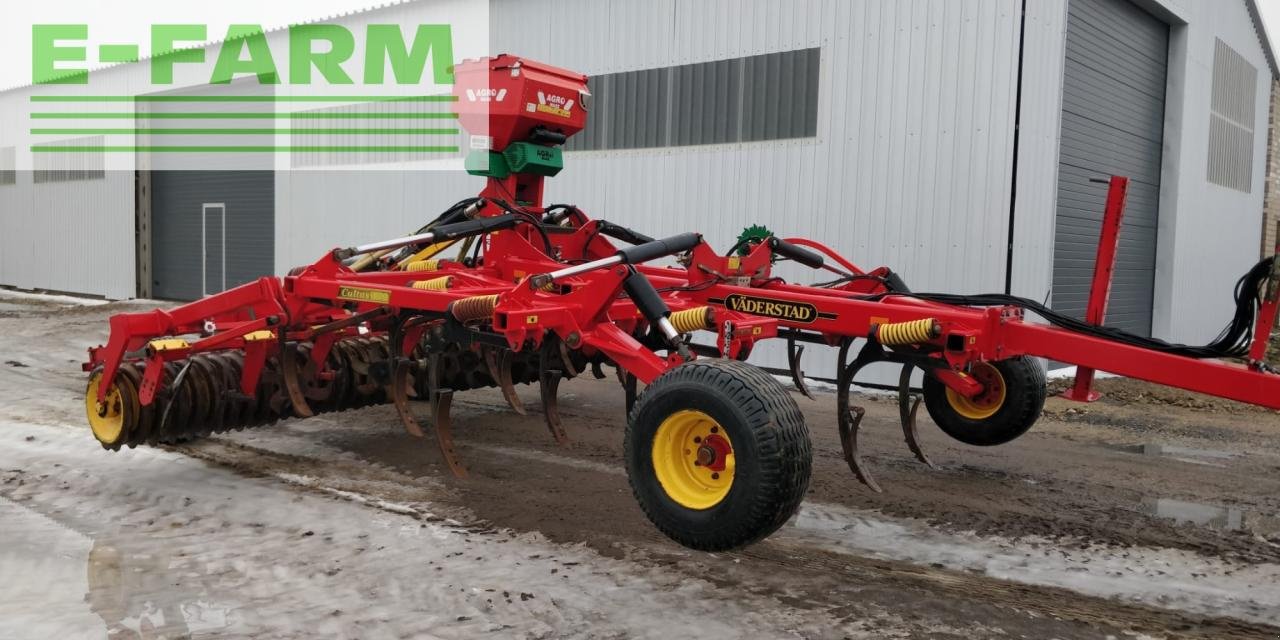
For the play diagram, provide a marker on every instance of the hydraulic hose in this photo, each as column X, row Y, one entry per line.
column 1232, row 342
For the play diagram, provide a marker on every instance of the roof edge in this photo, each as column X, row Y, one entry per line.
column 1263, row 37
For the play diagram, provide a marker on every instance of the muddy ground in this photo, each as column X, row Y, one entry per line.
column 1152, row 513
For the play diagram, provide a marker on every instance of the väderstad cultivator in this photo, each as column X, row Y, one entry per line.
column 717, row 450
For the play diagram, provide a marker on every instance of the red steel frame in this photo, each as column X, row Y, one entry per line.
column 592, row 315
column 587, row 312
column 1103, row 274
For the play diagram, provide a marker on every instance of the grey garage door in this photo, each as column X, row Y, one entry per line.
column 1112, row 124
column 211, row 230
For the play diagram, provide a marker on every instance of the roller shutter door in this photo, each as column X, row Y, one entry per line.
column 211, row 230
column 1112, row 124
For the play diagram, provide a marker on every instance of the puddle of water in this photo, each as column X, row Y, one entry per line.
column 77, row 582
column 1189, row 455
column 1208, row 515
column 1156, row 449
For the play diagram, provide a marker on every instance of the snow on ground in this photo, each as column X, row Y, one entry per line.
column 199, row 549
column 51, row 298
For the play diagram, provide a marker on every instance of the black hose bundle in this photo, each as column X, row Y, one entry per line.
column 1233, row 342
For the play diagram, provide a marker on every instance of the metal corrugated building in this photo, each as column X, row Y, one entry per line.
column 927, row 135
column 1271, row 218
column 1113, row 95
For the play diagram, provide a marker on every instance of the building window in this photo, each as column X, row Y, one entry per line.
column 8, row 166
column 384, row 132
column 75, row 159
column 766, row 97
column 1233, row 108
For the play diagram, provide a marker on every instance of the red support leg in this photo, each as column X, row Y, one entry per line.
column 1266, row 315
column 1103, row 272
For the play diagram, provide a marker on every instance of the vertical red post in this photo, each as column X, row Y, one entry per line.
column 1266, row 314
column 1103, row 271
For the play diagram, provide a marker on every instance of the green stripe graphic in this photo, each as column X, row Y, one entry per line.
column 244, row 98
column 240, row 149
column 243, row 116
column 243, row 132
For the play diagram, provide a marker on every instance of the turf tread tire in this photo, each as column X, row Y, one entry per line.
column 763, row 423
column 1025, row 395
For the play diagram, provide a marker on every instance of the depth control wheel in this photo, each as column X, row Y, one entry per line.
column 718, row 454
column 1012, row 398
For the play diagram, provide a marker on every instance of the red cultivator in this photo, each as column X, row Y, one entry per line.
column 717, row 451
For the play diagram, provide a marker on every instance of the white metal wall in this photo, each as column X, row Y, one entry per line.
column 1207, row 233
column 76, row 237
column 1038, row 148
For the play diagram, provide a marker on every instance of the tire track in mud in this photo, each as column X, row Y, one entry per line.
column 827, row 573
column 981, row 490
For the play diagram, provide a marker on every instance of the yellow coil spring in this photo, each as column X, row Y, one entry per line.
column 691, row 320
column 475, row 308
column 435, row 284
column 423, row 265
column 904, row 333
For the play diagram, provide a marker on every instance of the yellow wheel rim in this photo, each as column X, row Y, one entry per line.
column 693, row 459
column 106, row 419
column 985, row 404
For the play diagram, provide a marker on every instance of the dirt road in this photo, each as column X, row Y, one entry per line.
column 1151, row 514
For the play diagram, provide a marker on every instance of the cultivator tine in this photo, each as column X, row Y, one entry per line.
column 569, row 367
column 289, row 370
column 849, row 417
column 597, row 370
column 441, row 401
column 908, row 407
column 794, row 353
column 399, row 387
column 500, row 370
column 849, row 421
column 548, row 387
column 400, row 397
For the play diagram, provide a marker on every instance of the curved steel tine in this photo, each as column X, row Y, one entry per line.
column 400, row 397
column 441, row 401
column 908, row 407
column 849, row 417
column 500, row 370
column 292, row 384
column 621, row 373
column 850, row 420
column 597, row 371
column 569, row 368
column 548, row 387
column 794, row 353
column 411, row 382
column 490, row 357
column 629, row 387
